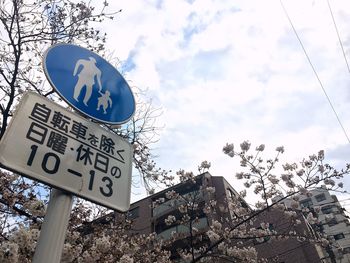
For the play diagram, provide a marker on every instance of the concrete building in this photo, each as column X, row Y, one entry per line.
column 332, row 221
column 148, row 218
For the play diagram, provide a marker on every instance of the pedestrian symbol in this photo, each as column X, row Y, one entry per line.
column 104, row 101
column 89, row 83
column 86, row 77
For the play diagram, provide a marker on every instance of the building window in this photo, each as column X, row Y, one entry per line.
column 306, row 203
column 172, row 204
column 231, row 193
column 339, row 236
column 264, row 239
column 332, row 222
column 320, row 197
column 164, row 207
column 133, row 213
column 346, row 250
column 327, row 209
column 200, row 223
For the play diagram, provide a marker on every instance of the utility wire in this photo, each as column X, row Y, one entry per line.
column 336, row 29
column 314, row 70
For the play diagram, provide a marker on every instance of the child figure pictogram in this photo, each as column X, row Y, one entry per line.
column 105, row 101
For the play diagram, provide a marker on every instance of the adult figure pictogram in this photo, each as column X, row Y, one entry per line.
column 86, row 78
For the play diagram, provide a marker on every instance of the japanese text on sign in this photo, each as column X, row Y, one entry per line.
column 64, row 150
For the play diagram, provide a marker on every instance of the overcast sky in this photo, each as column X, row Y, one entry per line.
column 228, row 71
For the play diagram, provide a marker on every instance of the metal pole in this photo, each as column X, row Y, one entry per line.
column 54, row 228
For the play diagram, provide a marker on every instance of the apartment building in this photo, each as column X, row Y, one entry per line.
column 148, row 218
column 332, row 221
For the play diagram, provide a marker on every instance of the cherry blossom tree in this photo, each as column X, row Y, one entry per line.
column 27, row 29
column 235, row 231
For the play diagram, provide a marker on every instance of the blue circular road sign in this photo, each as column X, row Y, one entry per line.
column 89, row 83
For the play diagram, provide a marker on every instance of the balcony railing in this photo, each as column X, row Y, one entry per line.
column 199, row 224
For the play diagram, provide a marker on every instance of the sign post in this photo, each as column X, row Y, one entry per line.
column 54, row 228
column 48, row 143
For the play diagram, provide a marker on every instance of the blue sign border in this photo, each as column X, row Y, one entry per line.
column 59, row 62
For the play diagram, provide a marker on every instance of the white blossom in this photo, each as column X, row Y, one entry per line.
column 8, row 252
column 280, row 149
column 210, row 189
column 311, row 219
column 126, row 259
column 205, row 165
column 229, row 149
column 212, row 235
column 260, row 148
column 294, row 204
column 170, row 220
column 245, row 146
column 216, row 225
column 171, row 194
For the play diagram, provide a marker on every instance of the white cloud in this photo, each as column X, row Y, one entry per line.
column 233, row 72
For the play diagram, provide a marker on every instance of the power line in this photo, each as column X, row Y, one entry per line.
column 314, row 70
column 336, row 29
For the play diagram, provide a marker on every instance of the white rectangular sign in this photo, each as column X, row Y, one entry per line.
column 50, row 144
